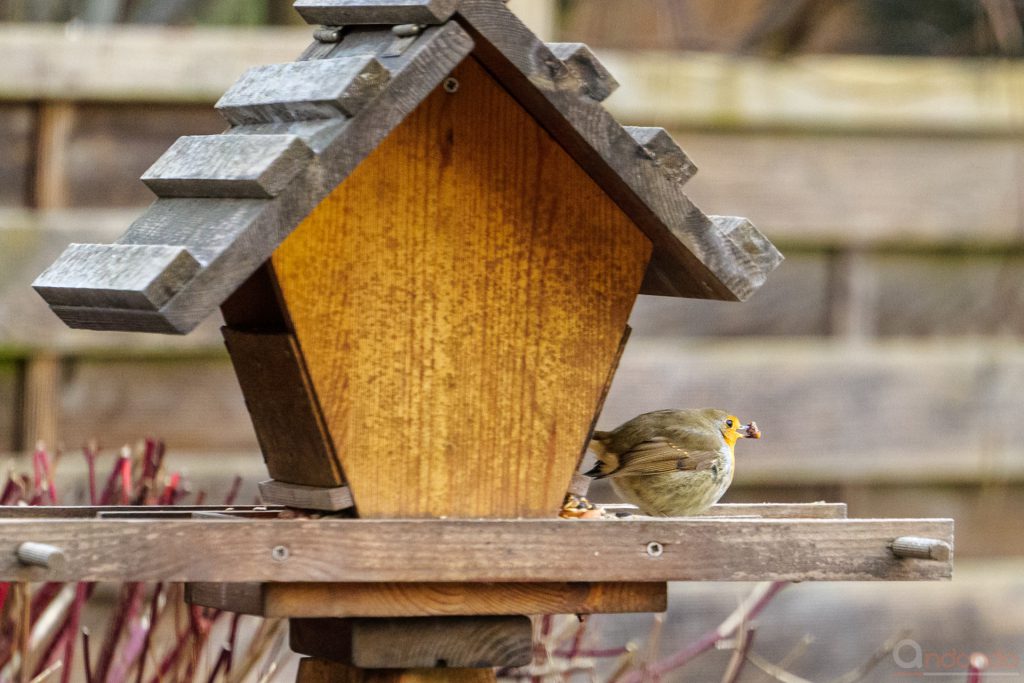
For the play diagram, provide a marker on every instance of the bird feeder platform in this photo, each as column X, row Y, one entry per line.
column 426, row 236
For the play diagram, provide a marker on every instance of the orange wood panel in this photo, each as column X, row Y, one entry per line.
column 459, row 301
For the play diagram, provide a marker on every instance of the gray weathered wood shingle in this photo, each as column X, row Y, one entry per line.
column 228, row 166
column 298, row 130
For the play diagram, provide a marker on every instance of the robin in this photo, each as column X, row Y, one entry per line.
column 671, row 463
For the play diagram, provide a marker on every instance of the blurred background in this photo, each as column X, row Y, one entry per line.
column 876, row 142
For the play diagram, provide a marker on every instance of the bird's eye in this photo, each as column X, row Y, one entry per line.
column 728, row 423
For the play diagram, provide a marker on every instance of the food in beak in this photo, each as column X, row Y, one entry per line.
column 750, row 431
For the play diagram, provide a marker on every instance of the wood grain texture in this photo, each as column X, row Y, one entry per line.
column 132, row 276
column 458, row 340
column 227, row 166
column 595, row 80
column 285, row 413
column 304, row 496
column 296, row 91
column 416, row 642
column 691, row 255
column 344, row 12
column 476, row 550
column 322, row 671
column 428, row 599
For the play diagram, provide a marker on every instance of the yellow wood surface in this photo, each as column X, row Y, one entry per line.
column 429, row 599
column 322, row 671
column 459, row 301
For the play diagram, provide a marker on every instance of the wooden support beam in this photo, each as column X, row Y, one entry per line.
column 323, row 671
column 285, row 413
column 427, row 599
column 417, row 642
column 354, row 550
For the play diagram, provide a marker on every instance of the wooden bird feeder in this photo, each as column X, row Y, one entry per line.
column 426, row 236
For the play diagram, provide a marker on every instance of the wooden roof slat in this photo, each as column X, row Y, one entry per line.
column 358, row 550
column 344, row 12
column 296, row 91
column 131, row 276
column 664, row 152
column 596, row 81
column 228, row 166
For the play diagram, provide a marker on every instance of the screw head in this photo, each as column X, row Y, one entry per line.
column 279, row 553
column 451, row 85
column 655, row 549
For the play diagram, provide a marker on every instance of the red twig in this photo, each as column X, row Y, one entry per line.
column 236, row 486
column 131, row 594
column 977, row 665
column 154, row 614
column 90, row 451
column 82, row 591
column 86, row 656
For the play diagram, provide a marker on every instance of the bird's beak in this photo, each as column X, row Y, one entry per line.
column 749, row 431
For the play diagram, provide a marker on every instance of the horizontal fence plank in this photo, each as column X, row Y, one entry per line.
column 474, row 550
column 658, row 88
column 862, row 189
column 194, row 404
column 851, row 93
column 836, row 412
column 140, row 64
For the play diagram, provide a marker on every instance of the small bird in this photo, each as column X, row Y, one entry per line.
column 671, row 463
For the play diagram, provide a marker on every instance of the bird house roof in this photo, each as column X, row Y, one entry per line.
column 297, row 130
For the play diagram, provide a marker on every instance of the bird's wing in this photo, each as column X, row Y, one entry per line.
column 659, row 456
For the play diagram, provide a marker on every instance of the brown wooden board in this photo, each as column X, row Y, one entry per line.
column 322, row 671
column 475, row 550
column 109, row 146
column 16, row 129
column 190, row 403
column 458, row 339
column 907, row 197
column 284, row 410
column 427, row 599
column 417, row 642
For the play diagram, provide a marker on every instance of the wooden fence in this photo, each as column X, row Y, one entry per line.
column 883, row 360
